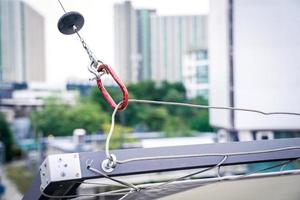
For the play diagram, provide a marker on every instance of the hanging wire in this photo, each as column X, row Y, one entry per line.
column 194, row 173
column 211, row 107
column 208, row 155
column 110, row 133
column 225, row 177
column 113, row 179
column 92, row 57
column 61, row 5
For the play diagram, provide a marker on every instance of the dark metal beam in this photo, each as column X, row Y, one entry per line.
column 159, row 165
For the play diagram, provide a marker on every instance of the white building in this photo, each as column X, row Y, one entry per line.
column 254, row 51
column 22, row 46
column 151, row 47
column 195, row 74
column 132, row 42
column 171, row 38
column 126, row 58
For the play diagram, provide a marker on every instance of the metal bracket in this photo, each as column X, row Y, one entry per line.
column 64, row 180
column 60, row 167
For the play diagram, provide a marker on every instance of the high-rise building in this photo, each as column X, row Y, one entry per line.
column 132, row 42
column 22, row 46
column 151, row 47
column 143, row 22
column 171, row 38
column 125, row 41
column 195, row 73
column 254, row 51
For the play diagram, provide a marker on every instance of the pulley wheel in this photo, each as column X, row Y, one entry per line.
column 67, row 21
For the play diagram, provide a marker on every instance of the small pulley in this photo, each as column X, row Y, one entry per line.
column 70, row 23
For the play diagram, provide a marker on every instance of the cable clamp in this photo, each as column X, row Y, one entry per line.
column 109, row 164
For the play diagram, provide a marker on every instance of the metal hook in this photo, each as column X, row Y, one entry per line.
column 93, row 69
column 107, row 69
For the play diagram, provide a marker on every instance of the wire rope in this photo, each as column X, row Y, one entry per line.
column 110, row 133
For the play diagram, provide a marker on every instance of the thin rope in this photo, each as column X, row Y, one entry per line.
column 113, row 179
column 100, row 184
column 194, row 173
column 111, row 130
column 207, row 155
column 91, row 55
column 61, row 5
column 193, row 106
column 211, row 107
column 223, row 178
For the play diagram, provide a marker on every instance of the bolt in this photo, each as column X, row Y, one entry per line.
column 77, row 174
column 43, row 174
column 45, row 165
column 59, row 159
column 65, row 165
column 63, row 174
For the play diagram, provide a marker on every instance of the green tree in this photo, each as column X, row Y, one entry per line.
column 6, row 137
column 200, row 119
column 153, row 117
column 157, row 117
column 120, row 135
column 175, row 127
column 59, row 119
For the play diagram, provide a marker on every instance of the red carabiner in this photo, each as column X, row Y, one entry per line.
column 106, row 95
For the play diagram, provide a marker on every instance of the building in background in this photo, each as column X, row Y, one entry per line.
column 143, row 23
column 254, row 51
column 151, row 47
column 22, row 46
column 195, row 73
column 20, row 105
column 171, row 38
column 126, row 58
column 132, row 42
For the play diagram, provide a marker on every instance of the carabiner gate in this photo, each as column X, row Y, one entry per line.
column 105, row 69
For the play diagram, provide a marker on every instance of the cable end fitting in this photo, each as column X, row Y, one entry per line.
column 109, row 164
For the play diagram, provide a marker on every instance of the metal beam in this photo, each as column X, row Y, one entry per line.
column 68, row 169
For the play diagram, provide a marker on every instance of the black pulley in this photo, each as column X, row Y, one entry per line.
column 67, row 22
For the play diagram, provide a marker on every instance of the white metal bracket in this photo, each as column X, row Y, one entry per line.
column 60, row 167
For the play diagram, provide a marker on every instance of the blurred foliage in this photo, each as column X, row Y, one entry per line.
column 173, row 121
column 59, row 119
column 120, row 135
column 6, row 138
column 93, row 112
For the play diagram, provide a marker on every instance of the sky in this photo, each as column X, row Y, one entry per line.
column 65, row 57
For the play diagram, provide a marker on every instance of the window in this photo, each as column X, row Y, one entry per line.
column 202, row 74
